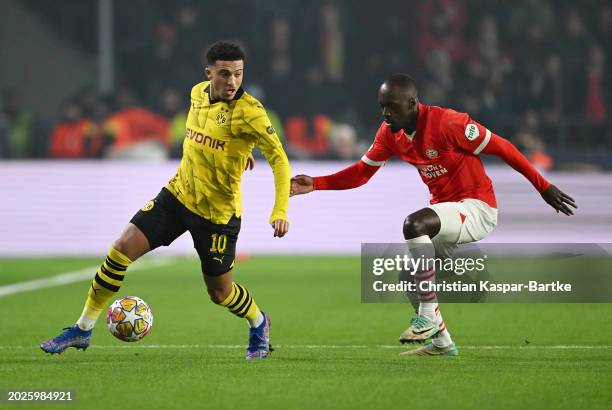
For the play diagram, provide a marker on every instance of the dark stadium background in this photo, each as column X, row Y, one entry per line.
column 536, row 72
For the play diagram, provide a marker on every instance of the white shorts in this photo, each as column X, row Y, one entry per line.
column 466, row 221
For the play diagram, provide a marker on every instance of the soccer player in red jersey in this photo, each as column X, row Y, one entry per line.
column 444, row 145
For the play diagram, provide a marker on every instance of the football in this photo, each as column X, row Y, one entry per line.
column 129, row 319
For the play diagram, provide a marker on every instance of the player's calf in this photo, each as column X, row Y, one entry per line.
column 240, row 303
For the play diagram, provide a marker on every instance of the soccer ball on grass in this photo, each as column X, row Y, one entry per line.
column 129, row 319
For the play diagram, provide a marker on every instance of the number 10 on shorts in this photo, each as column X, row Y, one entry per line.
column 219, row 243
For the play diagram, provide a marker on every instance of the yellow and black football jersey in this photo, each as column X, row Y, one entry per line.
column 220, row 136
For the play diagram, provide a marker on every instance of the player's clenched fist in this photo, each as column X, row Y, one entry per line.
column 301, row 184
column 281, row 227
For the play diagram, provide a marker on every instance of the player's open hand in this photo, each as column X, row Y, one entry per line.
column 250, row 163
column 559, row 200
column 281, row 227
column 301, row 184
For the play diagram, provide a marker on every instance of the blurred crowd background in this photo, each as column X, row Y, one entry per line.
column 535, row 71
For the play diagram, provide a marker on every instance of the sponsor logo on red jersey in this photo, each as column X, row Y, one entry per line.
column 471, row 132
column 432, row 171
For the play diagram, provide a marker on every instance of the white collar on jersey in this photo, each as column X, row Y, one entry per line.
column 411, row 135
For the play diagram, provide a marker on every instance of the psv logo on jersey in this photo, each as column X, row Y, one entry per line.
column 431, row 153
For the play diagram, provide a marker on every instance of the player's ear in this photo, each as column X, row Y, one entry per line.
column 208, row 72
column 414, row 102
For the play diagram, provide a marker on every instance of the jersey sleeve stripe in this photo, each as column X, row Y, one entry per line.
column 372, row 163
column 484, row 142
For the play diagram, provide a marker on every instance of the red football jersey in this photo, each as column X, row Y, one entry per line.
column 444, row 148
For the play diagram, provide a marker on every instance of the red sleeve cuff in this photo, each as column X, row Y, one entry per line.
column 544, row 185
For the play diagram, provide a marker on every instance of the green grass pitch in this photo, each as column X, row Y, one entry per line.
column 332, row 351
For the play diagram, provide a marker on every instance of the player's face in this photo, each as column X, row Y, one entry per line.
column 399, row 107
column 225, row 78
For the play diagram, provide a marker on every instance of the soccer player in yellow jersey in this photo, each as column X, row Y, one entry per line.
column 223, row 126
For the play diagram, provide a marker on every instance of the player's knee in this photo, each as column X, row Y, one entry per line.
column 132, row 243
column 122, row 245
column 415, row 227
column 218, row 295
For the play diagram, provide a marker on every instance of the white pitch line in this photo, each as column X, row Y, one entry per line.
column 74, row 276
column 325, row 347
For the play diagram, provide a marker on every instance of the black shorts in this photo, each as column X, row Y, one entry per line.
column 165, row 218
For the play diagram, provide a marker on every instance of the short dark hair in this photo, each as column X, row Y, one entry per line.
column 403, row 81
column 226, row 51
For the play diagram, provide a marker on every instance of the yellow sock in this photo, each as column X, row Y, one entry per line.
column 241, row 303
column 106, row 283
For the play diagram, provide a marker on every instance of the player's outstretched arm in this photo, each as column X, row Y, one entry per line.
column 351, row 177
column 301, row 184
column 559, row 200
column 512, row 156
